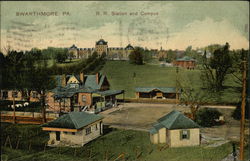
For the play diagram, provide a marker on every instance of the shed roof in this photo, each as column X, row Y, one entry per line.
column 73, row 120
column 174, row 120
column 162, row 89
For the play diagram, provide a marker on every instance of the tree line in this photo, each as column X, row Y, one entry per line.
column 29, row 71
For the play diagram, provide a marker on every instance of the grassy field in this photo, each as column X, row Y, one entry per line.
column 67, row 62
column 134, row 144
column 121, row 76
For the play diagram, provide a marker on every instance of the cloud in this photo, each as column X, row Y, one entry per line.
column 208, row 31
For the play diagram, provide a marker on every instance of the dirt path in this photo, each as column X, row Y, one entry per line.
column 141, row 116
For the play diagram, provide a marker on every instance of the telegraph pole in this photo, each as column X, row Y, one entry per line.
column 243, row 104
column 176, row 88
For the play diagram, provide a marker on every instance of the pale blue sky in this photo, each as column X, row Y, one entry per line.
column 176, row 25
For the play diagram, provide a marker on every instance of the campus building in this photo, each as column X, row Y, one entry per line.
column 101, row 46
column 185, row 62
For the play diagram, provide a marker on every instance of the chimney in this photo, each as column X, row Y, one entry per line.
column 97, row 77
column 82, row 77
column 63, row 80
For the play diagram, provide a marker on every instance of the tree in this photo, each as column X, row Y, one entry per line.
column 136, row 57
column 193, row 98
column 13, row 74
column 206, row 117
column 71, row 55
column 61, row 56
column 216, row 68
column 41, row 83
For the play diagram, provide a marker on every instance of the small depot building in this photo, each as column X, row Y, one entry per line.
column 175, row 130
column 157, row 93
column 74, row 129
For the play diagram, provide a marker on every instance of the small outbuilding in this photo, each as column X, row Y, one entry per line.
column 176, row 130
column 157, row 93
column 74, row 129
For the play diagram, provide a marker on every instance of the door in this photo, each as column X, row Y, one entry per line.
column 58, row 135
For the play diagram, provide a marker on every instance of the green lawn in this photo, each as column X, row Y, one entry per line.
column 134, row 144
column 121, row 76
column 67, row 62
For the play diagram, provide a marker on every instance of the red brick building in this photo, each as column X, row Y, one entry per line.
column 185, row 62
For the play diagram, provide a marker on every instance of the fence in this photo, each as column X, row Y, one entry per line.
column 29, row 114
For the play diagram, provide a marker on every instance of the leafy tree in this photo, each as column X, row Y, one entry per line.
column 236, row 114
column 41, row 83
column 171, row 55
column 193, row 98
column 13, row 74
column 216, row 68
column 2, row 69
column 136, row 57
column 71, row 55
column 61, row 56
column 206, row 117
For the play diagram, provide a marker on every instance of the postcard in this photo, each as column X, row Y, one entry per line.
column 124, row 80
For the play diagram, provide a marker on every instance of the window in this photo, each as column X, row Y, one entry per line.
column 96, row 126
column 34, row 95
column 14, row 94
column 184, row 134
column 83, row 98
column 88, row 130
column 5, row 94
column 57, row 135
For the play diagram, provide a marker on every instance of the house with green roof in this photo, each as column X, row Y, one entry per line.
column 176, row 130
column 157, row 93
column 82, row 92
column 74, row 128
column 185, row 62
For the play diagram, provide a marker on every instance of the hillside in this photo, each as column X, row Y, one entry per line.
column 121, row 76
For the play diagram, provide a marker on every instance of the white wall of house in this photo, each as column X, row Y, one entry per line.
column 162, row 135
column 176, row 141
column 79, row 137
column 154, row 138
column 96, row 131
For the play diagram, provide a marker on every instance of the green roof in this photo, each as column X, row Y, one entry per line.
column 91, row 81
column 162, row 89
column 73, row 120
column 174, row 120
column 185, row 58
column 110, row 92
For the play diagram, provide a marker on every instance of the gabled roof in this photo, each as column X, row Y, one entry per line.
column 162, row 89
column 91, row 81
column 73, row 120
column 174, row 120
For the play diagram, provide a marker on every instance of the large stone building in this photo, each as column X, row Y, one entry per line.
column 101, row 46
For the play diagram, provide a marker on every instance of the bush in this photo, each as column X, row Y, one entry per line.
column 206, row 117
column 236, row 114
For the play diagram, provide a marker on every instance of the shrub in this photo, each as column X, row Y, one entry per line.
column 236, row 114
column 206, row 117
